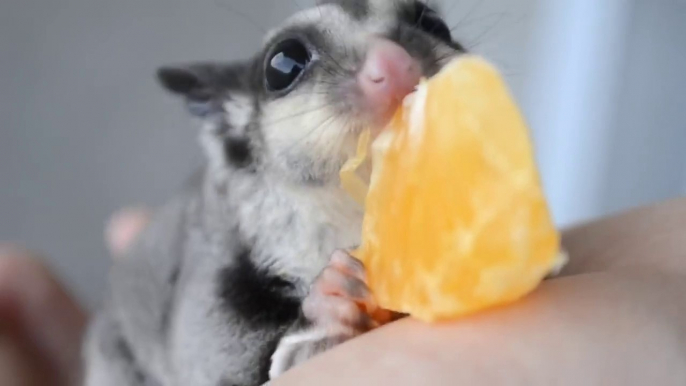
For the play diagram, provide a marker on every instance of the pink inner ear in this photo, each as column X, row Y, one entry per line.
column 388, row 74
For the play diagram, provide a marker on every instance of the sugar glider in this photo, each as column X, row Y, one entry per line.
column 238, row 278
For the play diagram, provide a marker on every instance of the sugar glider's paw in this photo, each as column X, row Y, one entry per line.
column 339, row 307
column 339, row 300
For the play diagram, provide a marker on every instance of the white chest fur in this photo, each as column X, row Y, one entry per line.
column 294, row 229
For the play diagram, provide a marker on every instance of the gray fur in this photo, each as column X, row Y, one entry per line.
column 268, row 197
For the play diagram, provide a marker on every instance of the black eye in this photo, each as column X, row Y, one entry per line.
column 285, row 64
column 430, row 22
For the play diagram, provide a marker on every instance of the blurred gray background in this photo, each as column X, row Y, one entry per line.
column 84, row 130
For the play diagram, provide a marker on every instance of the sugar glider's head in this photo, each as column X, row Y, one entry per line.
column 296, row 108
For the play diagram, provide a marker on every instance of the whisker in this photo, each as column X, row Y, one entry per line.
column 296, row 115
column 243, row 15
column 331, row 71
column 469, row 13
column 498, row 16
column 480, row 38
column 335, row 62
column 449, row 11
column 310, row 132
column 297, row 4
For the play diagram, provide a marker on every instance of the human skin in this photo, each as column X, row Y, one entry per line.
column 617, row 315
column 41, row 324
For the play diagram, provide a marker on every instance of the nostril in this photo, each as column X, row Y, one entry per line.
column 378, row 79
column 376, row 71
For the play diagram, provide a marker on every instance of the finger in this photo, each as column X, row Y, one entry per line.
column 36, row 306
column 123, row 229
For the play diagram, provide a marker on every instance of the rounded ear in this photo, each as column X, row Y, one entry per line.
column 204, row 78
column 203, row 85
column 196, row 82
column 200, row 84
column 179, row 80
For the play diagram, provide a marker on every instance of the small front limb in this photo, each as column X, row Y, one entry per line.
column 338, row 308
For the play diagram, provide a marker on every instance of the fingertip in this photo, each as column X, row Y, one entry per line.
column 124, row 228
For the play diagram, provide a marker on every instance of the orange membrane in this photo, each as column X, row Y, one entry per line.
column 455, row 220
column 350, row 181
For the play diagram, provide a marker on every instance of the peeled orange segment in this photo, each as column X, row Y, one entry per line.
column 455, row 219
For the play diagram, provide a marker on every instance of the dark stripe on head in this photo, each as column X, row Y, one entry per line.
column 256, row 295
column 421, row 16
column 418, row 45
column 358, row 9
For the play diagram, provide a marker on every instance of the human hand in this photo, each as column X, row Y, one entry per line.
column 616, row 316
column 41, row 324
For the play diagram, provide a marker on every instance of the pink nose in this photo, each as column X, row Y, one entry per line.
column 388, row 75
